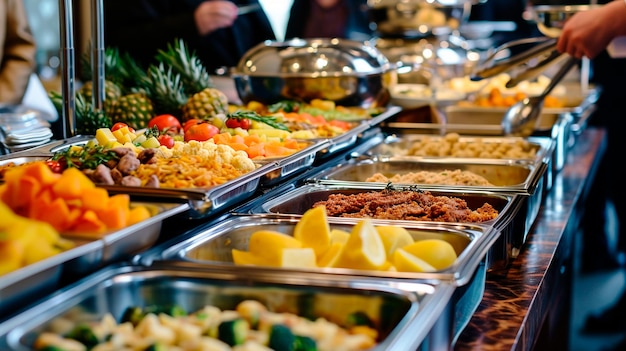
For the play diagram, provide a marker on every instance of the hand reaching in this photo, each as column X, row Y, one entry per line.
column 212, row 15
column 589, row 32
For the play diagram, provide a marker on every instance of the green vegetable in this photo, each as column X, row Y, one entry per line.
column 359, row 318
column 281, row 338
column 87, row 157
column 304, row 343
column 84, row 334
column 253, row 116
column 286, row 105
column 133, row 315
column 157, row 346
column 233, row 332
column 51, row 348
column 171, row 310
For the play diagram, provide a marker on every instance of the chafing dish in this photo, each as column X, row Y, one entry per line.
column 213, row 246
column 39, row 279
column 418, row 316
column 511, row 226
column 348, row 72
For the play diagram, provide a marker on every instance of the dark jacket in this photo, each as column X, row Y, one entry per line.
column 142, row 27
column 355, row 23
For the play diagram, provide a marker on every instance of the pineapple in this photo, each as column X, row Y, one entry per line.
column 134, row 109
column 88, row 120
column 206, row 104
column 194, row 75
column 112, row 92
column 166, row 90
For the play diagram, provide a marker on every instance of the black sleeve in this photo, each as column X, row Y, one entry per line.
column 141, row 27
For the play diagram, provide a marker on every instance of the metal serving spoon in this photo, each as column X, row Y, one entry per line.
column 521, row 118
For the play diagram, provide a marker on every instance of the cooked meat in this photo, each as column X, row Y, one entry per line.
column 147, row 156
column 117, row 176
column 153, row 182
column 102, row 175
column 131, row 181
column 122, row 151
column 405, row 205
column 128, row 163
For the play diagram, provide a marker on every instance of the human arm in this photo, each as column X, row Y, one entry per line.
column 212, row 15
column 589, row 32
column 17, row 55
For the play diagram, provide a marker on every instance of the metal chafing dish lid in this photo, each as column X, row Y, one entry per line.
column 313, row 58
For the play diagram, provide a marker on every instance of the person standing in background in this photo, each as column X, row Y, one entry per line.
column 346, row 19
column 17, row 52
column 213, row 29
column 588, row 33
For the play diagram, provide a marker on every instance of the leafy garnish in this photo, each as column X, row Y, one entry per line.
column 85, row 157
column 253, row 116
column 286, row 106
column 152, row 132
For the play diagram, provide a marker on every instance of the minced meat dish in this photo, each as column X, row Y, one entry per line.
column 405, row 205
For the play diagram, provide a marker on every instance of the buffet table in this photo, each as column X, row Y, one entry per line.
column 529, row 306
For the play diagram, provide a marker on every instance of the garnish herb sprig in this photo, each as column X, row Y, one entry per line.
column 86, row 157
column 251, row 115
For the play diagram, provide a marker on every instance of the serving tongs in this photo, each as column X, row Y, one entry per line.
column 546, row 48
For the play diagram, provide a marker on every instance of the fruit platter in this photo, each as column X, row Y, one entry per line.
column 316, row 242
column 55, row 224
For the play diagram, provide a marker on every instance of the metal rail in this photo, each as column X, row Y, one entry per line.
column 68, row 66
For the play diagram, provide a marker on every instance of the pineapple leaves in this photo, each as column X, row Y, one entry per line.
column 194, row 75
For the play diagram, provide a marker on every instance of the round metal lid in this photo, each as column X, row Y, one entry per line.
column 313, row 58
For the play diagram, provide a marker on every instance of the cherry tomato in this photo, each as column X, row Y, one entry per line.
column 166, row 140
column 120, row 125
column 190, row 123
column 165, row 123
column 242, row 123
column 201, row 132
column 55, row 166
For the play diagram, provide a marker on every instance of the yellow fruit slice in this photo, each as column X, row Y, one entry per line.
column 339, row 236
column 329, row 258
column 248, row 258
column 438, row 253
column 406, row 262
column 313, row 230
column 394, row 237
column 364, row 249
column 298, row 258
column 270, row 244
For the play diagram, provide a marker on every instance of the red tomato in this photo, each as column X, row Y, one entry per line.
column 120, row 125
column 190, row 123
column 242, row 123
column 201, row 132
column 165, row 123
column 166, row 140
column 55, row 166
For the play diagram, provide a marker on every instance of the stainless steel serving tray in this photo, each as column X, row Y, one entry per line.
column 202, row 202
column 214, row 245
column 506, row 176
column 418, row 314
column 37, row 280
column 486, row 120
column 350, row 138
column 511, row 225
column 401, row 144
column 524, row 178
column 41, row 278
